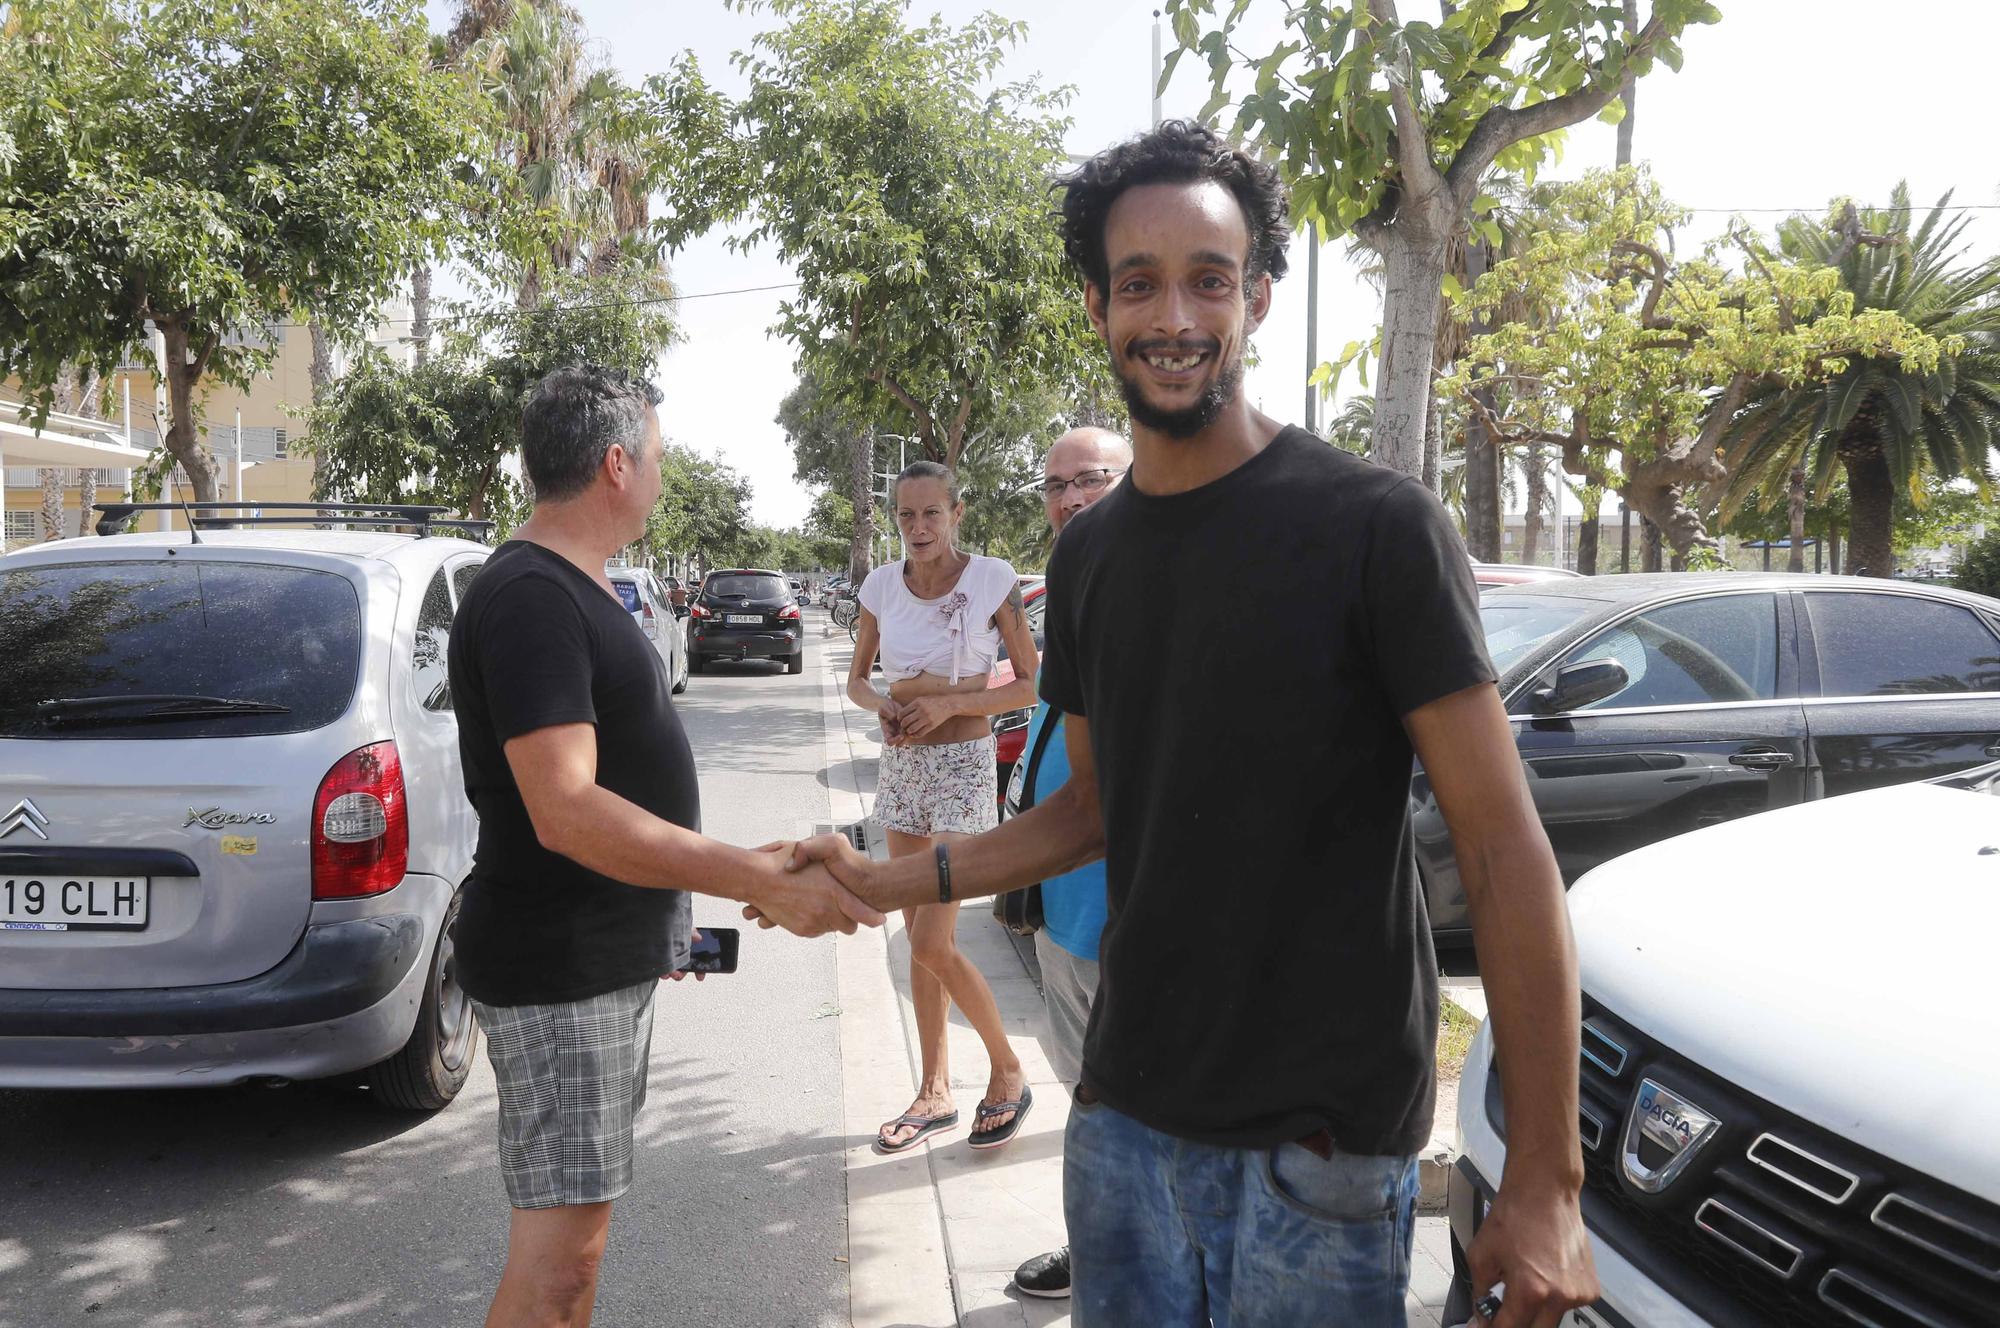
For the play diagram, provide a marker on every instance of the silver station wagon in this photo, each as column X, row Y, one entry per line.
column 232, row 823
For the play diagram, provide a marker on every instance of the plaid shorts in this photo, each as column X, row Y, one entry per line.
column 938, row 789
column 572, row 1078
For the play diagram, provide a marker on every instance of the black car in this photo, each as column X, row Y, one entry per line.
column 745, row 613
column 1646, row 706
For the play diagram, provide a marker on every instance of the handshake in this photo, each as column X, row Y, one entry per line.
column 812, row 887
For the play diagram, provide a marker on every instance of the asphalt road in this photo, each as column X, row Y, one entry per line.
column 303, row 1205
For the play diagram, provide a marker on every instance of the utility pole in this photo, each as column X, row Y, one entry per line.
column 1312, row 325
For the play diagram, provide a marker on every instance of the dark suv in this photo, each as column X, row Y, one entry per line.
column 745, row 613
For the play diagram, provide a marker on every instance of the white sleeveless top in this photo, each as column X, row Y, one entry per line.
column 953, row 636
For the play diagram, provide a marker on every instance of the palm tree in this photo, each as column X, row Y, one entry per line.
column 1885, row 426
column 1354, row 424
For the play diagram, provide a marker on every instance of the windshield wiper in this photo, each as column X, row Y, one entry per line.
column 147, row 707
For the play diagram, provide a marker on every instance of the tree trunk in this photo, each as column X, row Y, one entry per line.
column 87, row 394
column 1833, row 549
column 1872, row 502
column 861, row 492
column 322, row 360
column 51, row 478
column 1797, row 562
column 420, row 314
column 1482, row 454
column 181, row 440
column 1630, row 96
column 1587, row 532
column 1537, row 490
column 1433, row 448
column 1649, row 546
column 1413, row 259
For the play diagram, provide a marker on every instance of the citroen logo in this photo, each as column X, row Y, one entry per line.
column 24, row 815
column 1663, row 1132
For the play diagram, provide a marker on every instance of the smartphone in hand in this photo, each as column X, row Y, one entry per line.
column 714, row 951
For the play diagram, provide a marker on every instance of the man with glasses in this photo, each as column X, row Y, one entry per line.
column 1082, row 467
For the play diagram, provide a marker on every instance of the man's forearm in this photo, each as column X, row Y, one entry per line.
column 1054, row 837
column 1528, row 960
column 618, row 838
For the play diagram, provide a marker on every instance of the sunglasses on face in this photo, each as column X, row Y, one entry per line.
column 1089, row 481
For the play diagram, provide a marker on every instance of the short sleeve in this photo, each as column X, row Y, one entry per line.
column 536, row 656
column 1421, row 602
column 1062, row 681
column 872, row 589
column 994, row 588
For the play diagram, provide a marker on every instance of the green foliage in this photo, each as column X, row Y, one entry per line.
column 1323, row 102
column 1980, row 570
column 212, row 166
column 704, row 511
column 1635, row 359
column 1395, row 132
column 1927, row 417
column 912, row 203
column 440, row 432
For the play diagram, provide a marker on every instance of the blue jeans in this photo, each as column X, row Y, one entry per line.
column 1165, row 1233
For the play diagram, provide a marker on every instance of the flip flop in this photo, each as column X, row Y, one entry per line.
column 926, row 1127
column 994, row 1138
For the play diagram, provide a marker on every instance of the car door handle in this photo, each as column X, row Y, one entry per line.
column 1993, row 749
column 1763, row 758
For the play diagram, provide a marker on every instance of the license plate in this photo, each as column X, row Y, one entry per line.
column 751, row 619
column 73, row 903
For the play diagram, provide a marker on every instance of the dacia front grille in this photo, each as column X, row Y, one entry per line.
column 1774, row 1220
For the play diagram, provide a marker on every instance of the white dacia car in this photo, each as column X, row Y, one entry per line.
column 1790, row 1095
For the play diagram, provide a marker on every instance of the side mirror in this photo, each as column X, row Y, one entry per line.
column 1579, row 685
column 680, row 610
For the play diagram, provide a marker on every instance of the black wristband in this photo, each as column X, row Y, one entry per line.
column 944, row 873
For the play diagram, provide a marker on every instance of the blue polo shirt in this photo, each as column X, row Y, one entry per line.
column 1072, row 904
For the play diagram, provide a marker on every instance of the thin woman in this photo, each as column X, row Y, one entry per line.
column 937, row 619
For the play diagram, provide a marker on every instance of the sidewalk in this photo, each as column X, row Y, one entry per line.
column 934, row 1235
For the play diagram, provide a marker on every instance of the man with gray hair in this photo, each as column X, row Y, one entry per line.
column 589, row 837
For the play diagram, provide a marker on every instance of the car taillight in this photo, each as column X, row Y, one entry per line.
column 361, row 827
column 698, row 611
column 789, row 611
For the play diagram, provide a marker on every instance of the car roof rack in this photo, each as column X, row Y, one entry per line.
column 374, row 516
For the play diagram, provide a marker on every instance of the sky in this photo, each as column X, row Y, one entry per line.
column 1782, row 106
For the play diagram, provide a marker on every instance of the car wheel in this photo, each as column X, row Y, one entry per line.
column 796, row 663
column 681, row 683
column 433, row 1065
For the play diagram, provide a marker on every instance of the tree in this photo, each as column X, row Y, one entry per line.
column 209, row 168
column 1387, row 129
column 1646, row 358
column 441, row 432
column 704, row 511
column 913, row 208
column 1884, row 421
column 1353, row 424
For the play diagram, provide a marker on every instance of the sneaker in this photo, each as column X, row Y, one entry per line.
column 1045, row 1275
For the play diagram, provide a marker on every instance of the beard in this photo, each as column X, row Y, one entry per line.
column 1189, row 420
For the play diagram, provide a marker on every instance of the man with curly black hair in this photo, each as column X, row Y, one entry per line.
column 1258, row 1069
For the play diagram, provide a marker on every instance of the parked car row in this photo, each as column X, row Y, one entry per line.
column 1785, row 1062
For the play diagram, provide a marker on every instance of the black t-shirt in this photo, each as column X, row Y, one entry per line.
column 538, row 643
column 1244, row 653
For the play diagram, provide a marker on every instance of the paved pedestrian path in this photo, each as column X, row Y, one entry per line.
column 936, row 1233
